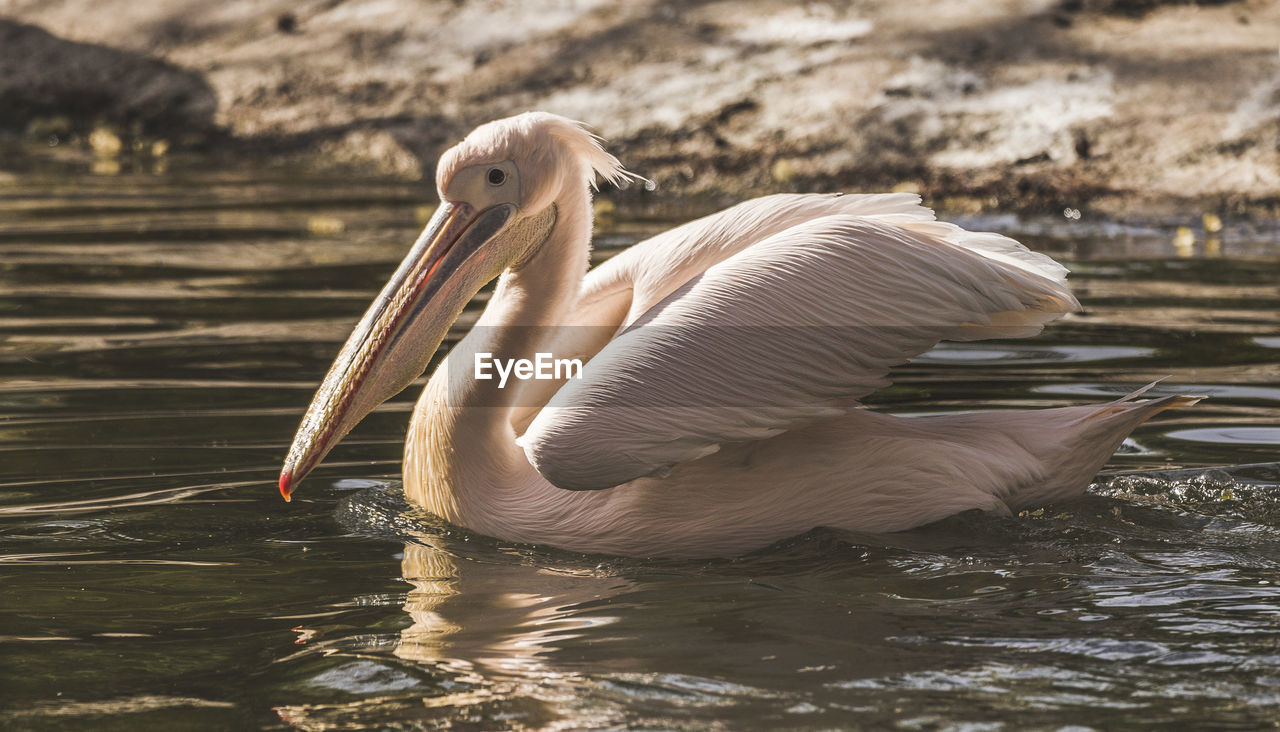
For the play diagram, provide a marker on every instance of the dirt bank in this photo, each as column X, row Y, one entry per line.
column 1110, row 105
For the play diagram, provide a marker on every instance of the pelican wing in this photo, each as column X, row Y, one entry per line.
column 786, row 323
column 622, row 289
column 654, row 268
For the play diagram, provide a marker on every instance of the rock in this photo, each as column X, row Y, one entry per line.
column 46, row 80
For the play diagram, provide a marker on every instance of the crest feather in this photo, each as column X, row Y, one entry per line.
column 589, row 148
column 539, row 136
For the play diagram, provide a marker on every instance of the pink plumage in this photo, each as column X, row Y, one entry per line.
column 718, row 407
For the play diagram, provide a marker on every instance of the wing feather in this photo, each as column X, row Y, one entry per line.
column 655, row 267
column 797, row 324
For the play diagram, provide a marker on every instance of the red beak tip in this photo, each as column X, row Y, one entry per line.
column 286, row 490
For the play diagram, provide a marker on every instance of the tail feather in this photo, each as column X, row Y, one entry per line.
column 1147, row 409
column 1086, row 440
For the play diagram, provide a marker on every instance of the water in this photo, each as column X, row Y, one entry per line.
column 160, row 338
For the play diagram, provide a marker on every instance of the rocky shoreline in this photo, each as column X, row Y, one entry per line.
column 1148, row 107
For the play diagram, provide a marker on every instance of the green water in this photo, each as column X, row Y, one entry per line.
column 161, row 336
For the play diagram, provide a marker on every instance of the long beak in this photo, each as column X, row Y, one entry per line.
column 395, row 340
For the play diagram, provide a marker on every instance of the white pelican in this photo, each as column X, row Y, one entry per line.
column 717, row 411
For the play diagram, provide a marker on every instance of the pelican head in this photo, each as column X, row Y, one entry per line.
column 498, row 192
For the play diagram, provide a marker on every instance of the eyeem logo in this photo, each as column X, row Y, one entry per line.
column 543, row 366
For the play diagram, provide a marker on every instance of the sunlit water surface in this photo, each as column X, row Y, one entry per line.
column 160, row 338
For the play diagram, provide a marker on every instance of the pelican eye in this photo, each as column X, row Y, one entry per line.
column 497, row 176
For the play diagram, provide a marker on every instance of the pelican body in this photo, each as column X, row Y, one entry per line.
column 717, row 406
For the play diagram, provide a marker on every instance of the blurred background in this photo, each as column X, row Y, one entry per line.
column 1117, row 106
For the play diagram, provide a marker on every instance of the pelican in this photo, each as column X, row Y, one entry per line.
column 716, row 410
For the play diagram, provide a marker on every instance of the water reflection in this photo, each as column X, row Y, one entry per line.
column 1025, row 354
column 483, row 631
column 1231, row 435
column 1092, row 608
column 1213, row 391
column 491, row 616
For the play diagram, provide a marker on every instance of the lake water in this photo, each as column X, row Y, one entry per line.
column 161, row 336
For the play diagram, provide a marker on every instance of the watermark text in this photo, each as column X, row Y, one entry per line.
column 541, row 366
